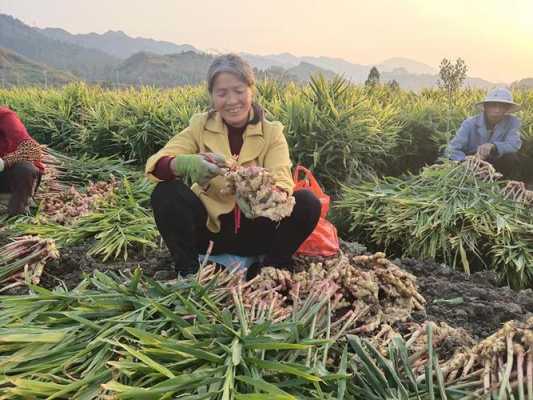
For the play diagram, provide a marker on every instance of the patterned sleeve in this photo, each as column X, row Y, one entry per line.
column 27, row 150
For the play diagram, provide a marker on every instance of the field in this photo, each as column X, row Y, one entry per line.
column 447, row 314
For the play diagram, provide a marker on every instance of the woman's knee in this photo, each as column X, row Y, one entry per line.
column 167, row 193
column 24, row 170
column 307, row 207
column 175, row 200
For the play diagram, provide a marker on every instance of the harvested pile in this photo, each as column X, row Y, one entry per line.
column 518, row 192
column 112, row 213
column 513, row 190
column 481, row 169
column 255, row 186
column 64, row 206
column 445, row 338
column 455, row 213
column 503, row 360
column 68, row 214
column 63, row 171
column 24, row 259
column 120, row 222
column 129, row 337
column 371, row 297
column 365, row 290
column 500, row 367
column 363, row 295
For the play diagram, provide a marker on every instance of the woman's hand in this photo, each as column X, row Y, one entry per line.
column 199, row 168
column 485, row 150
column 2, row 165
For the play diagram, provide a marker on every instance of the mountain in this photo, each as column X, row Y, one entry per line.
column 526, row 83
column 304, row 71
column 299, row 73
column 116, row 43
column 86, row 63
column 417, row 82
column 355, row 72
column 18, row 70
column 116, row 56
column 286, row 59
column 265, row 62
column 186, row 68
column 410, row 74
column 412, row 66
column 190, row 68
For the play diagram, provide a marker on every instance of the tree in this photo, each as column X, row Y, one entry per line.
column 452, row 76
column 393, row 85
column 373, row 78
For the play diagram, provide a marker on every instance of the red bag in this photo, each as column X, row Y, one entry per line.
column 323, row 241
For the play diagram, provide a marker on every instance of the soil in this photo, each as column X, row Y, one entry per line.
column 74, row 265
column 474, row 303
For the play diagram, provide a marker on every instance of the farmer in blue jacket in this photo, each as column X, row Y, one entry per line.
column 493, row 134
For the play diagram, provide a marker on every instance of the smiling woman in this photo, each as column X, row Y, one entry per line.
column 231, row 89
column 232, row 99
column 234, row 131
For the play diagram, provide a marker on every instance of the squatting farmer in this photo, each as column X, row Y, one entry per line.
column 235, row 127
column 494, row 134
column 21, row 164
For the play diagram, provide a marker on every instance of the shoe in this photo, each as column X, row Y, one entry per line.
column 253, row 270
column 185, row 271
column 164, row 275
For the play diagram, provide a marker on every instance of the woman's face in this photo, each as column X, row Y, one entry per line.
column 232, row 98
column 495, row 111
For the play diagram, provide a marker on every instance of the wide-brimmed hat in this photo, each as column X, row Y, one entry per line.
column 500, row 95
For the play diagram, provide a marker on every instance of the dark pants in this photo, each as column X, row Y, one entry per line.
column 507, row 164
column 20, row 180
column 181, row 219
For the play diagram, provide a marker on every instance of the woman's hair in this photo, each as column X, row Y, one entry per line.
column 233, row 64
column 237, row 66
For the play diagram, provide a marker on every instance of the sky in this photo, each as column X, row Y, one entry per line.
column 494, row 37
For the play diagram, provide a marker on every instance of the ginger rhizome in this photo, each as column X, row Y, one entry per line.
column 255, row 187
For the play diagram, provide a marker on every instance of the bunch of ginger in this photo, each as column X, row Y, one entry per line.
column 64, row 206
column 256, row 187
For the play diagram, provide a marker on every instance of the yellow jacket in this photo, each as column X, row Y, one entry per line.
column 264, row 145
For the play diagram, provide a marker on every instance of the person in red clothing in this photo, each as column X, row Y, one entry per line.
column 20, row 162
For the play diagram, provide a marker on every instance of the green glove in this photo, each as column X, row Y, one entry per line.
column 199, row 168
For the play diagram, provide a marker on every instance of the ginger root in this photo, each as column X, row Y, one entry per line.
column 256, row 186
